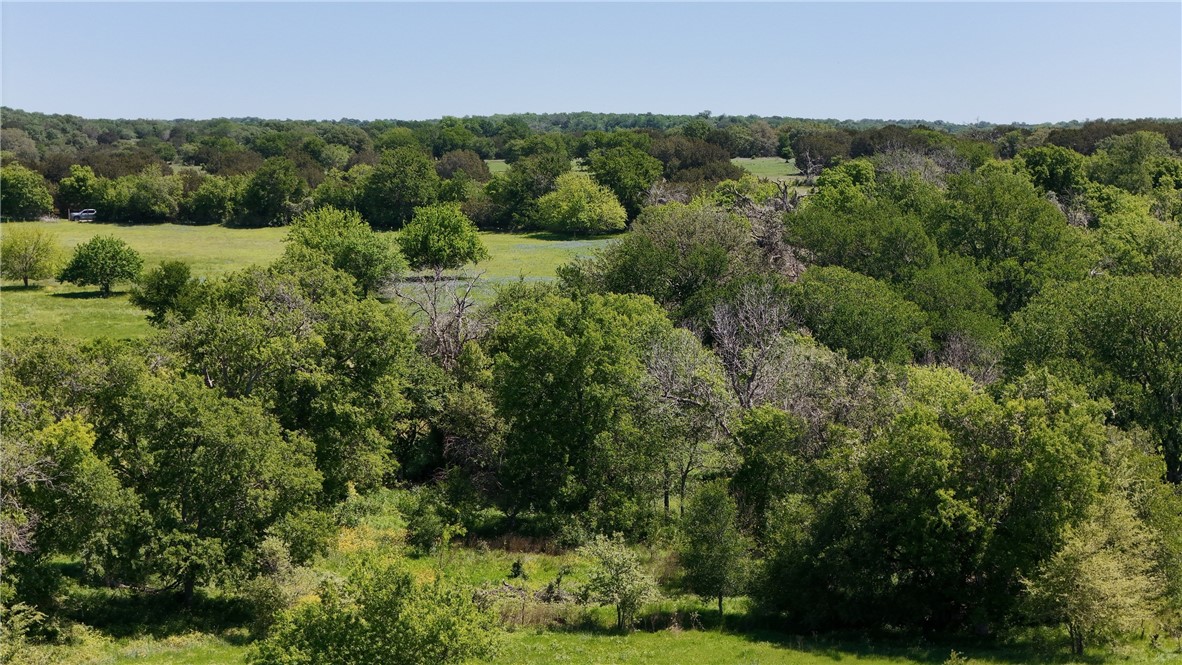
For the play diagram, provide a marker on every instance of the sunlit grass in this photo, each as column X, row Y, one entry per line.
column 63, row 309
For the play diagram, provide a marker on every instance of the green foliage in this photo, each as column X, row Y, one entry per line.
column 348, row 244
column 617, row 578
column 845, row 310
column 1120, row 335
column 23, row 193
column 958, row 486
column 627, row 171
column 1022, row 240
column 403, row 180
column 296, row 337
column 514, row 194
column 1101, row 582
column 273, row 192
column 81, row 189
column 381, row 615
column 168, row 289
column 713, row 551
column 188, row 438
column 568, row 377
column 102, row 261
column 769, row 441
column 463, row 162
column 1128, row 161
column 862, row 235
column 28, row 253
column 578, row 205
column 441, row 237
column 217, row 200
column 1055, row 169
column 954, row 295
column 675, row 254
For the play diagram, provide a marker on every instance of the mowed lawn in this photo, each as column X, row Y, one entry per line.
column 63, row 309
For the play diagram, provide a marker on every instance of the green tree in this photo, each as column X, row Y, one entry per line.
column 675, row 253
column 381, row 615
column 1101, row 582
column 1018, row 237
column 168, row 289
column 403, row 180
column 349, row 245
column 463, row 161
column 514, row 194
column 627, row 171
column 846, row 310
column 441, row 237
column 28, row 253
column 81, row 189
column 272, row 192
column 578, row 205
column 102, row 261
column 713, row 551
column 185, row 439
column 568, row 376
column 1128, row 161
column 1120, row 335
column 217, row 200
column 23, row 193
column 617, row 578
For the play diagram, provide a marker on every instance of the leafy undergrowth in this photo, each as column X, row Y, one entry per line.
column 534, row 590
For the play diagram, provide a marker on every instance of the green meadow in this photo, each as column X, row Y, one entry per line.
column 53, row 307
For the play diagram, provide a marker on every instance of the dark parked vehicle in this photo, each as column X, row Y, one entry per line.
column 83, row 215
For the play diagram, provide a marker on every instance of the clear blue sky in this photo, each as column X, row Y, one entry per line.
column 960, row 62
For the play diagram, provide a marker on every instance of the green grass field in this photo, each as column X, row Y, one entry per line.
column 51, row 307
column 496, row 166
column 772, row 168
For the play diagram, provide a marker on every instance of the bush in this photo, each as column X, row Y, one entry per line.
column 379, row 615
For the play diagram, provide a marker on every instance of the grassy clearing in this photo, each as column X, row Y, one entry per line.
column 772, row 168
column 63, row 309
column 496, row 166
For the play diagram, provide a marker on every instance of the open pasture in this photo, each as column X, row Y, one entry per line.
column 55, row 308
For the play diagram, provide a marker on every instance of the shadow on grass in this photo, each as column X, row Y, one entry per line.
column 564, row 237
column 121, row 613
column 88, row 295
column 21, row 288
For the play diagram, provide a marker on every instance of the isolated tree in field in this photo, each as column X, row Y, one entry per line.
column 167, row 289
column 102, row 261
column 404, row 180
column 441, row 237
column 578, row 205
column 713, row 551
column 617, row 578
column 349, row 245
column 23, row 194
column 1101, row 582
column 28, row 253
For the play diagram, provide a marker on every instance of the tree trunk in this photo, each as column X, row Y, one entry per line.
column 720, row 614
column 26, row 281
column 187, row 591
